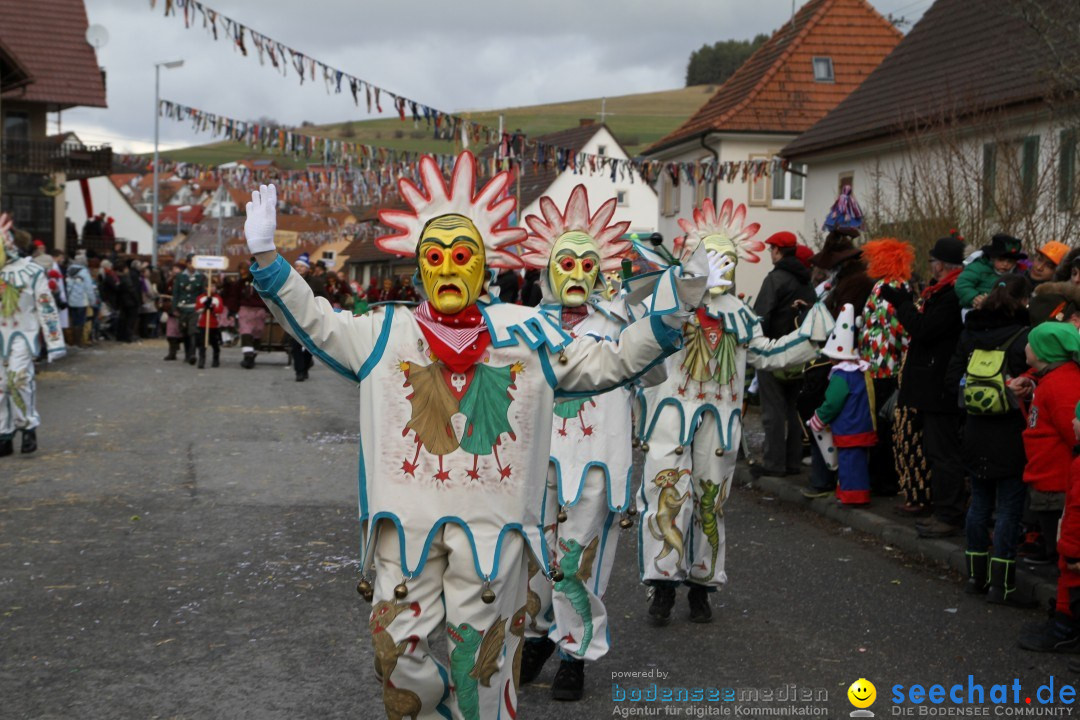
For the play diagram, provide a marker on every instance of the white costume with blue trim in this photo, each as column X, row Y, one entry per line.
column 452, row 473
column 27, row 311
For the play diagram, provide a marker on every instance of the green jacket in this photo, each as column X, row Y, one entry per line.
column 978, row 278
column 186, row 288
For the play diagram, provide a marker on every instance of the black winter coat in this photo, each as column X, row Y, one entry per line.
column 851, row 285
column 788, row 281
column 993, row 445
column 934, row 334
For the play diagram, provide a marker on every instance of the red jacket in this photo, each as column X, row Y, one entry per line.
column 215, row 308
column 1049, row 438
column 1069, row 542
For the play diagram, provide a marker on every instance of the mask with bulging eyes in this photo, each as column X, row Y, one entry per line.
column 573, row 268
column 451, row 259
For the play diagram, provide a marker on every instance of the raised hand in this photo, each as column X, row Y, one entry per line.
column 261, row 219
column 719, row 266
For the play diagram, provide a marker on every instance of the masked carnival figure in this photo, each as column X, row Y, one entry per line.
column 589, row 473
column 27, row 312
column 456, row 402
column 691, row 424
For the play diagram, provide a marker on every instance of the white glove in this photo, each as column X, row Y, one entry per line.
column 719, row 265
column 261, row 219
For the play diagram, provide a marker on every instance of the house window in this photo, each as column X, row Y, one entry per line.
column 328, row 255
column 622, row 198
column 787, row 187
column 17, row 125
column 601, row 150
column 1067, row 188
column 823, row 70
column 1010, row 175
column 669, row 195
column 759, row 186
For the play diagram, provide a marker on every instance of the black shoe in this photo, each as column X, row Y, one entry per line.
column 216, row 361
column 1059, row 634
column 249, row 361
column 663, row 599
column 533, row 656
column 760, row 470
column 569, row 682
column 301, row 376
column 29, row 441
column 978, row 572
column 202, row 359
column 698, row 597
column 7, row 447
column 190, row 360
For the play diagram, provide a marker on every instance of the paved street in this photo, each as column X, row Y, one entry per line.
column 183, row 544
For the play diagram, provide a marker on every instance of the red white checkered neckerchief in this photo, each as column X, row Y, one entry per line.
column 571, row 316
column 459, row 339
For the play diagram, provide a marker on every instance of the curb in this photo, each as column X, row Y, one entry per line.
column 947, row 552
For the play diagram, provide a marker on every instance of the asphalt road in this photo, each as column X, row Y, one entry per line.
column 183, row 544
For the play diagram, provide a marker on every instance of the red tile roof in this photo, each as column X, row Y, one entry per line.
column 48, row 37
column 961, row 57
column 775, row 91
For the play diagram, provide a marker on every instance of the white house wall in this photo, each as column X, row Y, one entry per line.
column 106, row 198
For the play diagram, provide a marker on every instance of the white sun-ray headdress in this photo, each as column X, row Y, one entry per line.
column 551, row 224
column 728, row 224
column 488, row 209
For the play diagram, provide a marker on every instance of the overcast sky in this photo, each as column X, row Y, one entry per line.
column 475, row 54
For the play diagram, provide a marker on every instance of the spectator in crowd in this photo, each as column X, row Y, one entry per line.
column 845, row 270
column 509, row 284
column 981, row 275
column 934, row 325
column 1045, row 263
column 785, row 290
column 82, row 297
column 337, row 292
column 251, row 317
column 992, row 444
column 531, row 293
column 109, row 292
column 129, row 301
column 150, row 312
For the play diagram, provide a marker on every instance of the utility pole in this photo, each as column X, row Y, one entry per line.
column 157, row 121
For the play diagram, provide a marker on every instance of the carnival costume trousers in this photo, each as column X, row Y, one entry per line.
column 571, row 613
column 681, row 535
column 18, row 390
column 481, row 679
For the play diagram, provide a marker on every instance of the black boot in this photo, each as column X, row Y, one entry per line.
column 978, row 572
column 569, row 682
column 202, row 358
column 189, row 350
column 249, row 361
column 663, row 599
column 174, row 345
column 29, row 441
column 1003, row 584
column 698, row 597
column 1059, row 634
column 533, row 656
column 216, row 361
column 7, row 447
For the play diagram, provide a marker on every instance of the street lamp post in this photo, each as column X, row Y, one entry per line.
column 157, row 121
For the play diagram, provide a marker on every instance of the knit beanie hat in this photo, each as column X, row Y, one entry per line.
column 1055, row 342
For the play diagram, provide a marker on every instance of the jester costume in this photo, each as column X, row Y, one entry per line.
column 691, row 424
column 588, row 476
column 27, row 311
column 455, row 427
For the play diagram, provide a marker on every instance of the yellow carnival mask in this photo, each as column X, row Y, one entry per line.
column 573, row 268
column 451, row 258
column 724, row 246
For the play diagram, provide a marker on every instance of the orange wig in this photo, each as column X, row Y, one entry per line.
column 888, row 259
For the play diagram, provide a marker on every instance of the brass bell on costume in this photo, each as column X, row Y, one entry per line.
column 626, row 523
column 679, row 450
column 644, row 447
column 719, row 452
column 400, row 591
column 556, row 573
column 365, row 589
column 561, row 517
column 635, row 443
column 488, row 596
column 562, row 358
column 632, row 510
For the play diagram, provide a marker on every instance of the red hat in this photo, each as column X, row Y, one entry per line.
column 38, row 243
column 782, row 239
column 803, row 254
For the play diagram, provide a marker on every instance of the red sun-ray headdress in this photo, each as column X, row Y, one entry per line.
column 550, row 225
column 728, row 224
column 488, row 209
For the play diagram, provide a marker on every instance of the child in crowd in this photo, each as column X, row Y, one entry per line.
column 982, row 274
column 207, row 307
column 1052, row 351
column 991, row 351
column 849, row 411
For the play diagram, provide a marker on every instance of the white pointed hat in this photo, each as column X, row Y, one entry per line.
column 842, row 344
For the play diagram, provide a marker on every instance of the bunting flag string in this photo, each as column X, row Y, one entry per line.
column 511, row 152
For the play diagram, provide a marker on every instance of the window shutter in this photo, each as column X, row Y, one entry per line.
column 1067, row 171
column 1030, row 169
column 989, row 178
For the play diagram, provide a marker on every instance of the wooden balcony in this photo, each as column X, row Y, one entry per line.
column 43, row 157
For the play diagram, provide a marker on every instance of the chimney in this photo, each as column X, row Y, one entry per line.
column 586, row 122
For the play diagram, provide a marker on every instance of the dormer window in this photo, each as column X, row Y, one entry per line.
column 823, row 70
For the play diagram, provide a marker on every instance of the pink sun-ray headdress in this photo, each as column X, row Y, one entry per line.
column 728, row 224
column 488, row 209
column 551, row 225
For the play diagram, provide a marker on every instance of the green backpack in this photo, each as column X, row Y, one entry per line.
column 984, row 381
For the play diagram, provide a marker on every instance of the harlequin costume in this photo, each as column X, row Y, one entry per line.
column 849, row 410
column 692, row 422
column 455, row 428
column 588, row 476
column 27, row 312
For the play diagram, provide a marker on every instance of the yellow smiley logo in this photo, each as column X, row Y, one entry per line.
column 862, row 693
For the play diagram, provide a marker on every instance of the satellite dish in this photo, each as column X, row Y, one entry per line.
column 97, row 36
